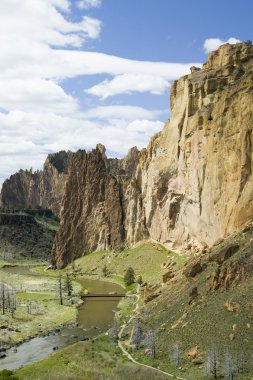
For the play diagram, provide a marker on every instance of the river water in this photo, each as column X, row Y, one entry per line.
column 94, row 316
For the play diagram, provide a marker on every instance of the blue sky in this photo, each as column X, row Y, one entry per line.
column 80, row 72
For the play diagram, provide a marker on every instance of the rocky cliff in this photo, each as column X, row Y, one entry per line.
column 44, row 188
column 102, row 206
column 193, row 183
column 197, row 174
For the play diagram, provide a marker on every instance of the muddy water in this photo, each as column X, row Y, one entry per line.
column 93, row 317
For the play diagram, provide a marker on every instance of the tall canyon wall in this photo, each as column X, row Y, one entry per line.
column 194, row 181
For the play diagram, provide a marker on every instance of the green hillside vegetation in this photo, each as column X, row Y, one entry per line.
column 213, row 308
column 146, row 260
column 207, row 303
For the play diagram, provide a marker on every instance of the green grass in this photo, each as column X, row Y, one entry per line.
column 93, row 360
column 47, row 313
column 44, row 309
column 146, row 260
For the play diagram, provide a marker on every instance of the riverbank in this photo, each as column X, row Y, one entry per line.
column 38, row 309
column 147, row 261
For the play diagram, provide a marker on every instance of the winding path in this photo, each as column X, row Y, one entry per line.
column 129, row 356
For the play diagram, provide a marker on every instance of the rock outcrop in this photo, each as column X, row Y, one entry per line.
column 101, row 207
column 193, row 182
column 44, row 188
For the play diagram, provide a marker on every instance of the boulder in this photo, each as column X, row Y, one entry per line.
column 225, row 253
column 168, row 276
column 193, row 269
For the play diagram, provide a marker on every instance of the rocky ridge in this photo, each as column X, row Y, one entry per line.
column 42, row 188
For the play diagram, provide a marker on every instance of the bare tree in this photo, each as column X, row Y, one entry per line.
column 212, row 362
column 137, row 334
column 230, row 367
column 3, row 297
column 68, row 285
column 151, row 343
column 240, row 362
column 175, row 355
column 60, row 289
column 7, row 299
column 29, row 306
column 114, row 331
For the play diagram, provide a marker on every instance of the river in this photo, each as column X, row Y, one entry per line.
column 94, row 316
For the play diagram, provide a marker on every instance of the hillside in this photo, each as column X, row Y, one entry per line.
column 24, row 236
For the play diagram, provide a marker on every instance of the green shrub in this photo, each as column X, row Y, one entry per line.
column 129, row 276
column 5, row 374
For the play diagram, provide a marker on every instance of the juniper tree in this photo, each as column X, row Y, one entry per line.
column 129, row 276
column 105, row 271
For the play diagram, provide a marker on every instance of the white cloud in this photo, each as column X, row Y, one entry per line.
column 35, row 94
column 86, row 4
column 40, row 47
column 128, row 83
column 123, row 112
column 26, row 138
column 29, row 25
column 211, row 44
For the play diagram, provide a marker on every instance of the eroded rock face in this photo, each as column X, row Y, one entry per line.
column 102, row 206
column 45, row 188
column 192, row 183
column 196, row 174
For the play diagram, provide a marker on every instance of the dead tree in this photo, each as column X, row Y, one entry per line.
column 137, row 334
column 7, row 299
column 114, row 331
column 175, row 355
column 60, row 289
column 212, row 362
column 229, row 370
column 68, row 285
column 151, row 343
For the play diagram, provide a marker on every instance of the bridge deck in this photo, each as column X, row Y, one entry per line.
column 102, row 295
